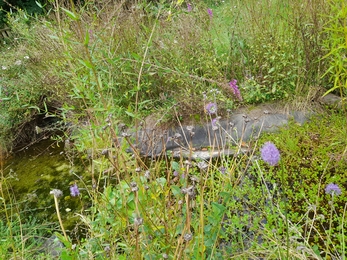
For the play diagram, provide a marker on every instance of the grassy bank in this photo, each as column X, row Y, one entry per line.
column 86, row 70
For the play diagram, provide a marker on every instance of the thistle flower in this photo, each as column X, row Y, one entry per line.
column 74, row 191
column 333, row 189
column 270, row 153
column 235, row 89
column 211, row 108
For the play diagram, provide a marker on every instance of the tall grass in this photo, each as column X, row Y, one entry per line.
column 104, row 64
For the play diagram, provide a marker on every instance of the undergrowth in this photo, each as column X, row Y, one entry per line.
column 96, row 66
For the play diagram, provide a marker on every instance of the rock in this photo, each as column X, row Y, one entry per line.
column 52, row 247
column 217, row 137
column 331, row 100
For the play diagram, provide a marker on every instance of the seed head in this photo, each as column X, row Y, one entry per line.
column 56, row 193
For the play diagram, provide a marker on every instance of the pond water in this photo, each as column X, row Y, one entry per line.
column 32, row 173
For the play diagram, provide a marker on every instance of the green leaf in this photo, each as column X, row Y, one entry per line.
column 70, row 14
column 175, row 166
column 176, row 191
column 130, row 114
column 86, row 63
column 86, row 38
column 218, row 209
column 38, row 4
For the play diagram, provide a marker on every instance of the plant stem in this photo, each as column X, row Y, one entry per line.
column 59, row 217
column 285, row 209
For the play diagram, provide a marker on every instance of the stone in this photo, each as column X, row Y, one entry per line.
column 216, row 138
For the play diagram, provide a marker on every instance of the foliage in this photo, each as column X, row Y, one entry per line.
column 108, row 63
column 336, row 44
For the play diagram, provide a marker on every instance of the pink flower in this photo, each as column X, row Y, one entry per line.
column 210, row 13
column 235, row 89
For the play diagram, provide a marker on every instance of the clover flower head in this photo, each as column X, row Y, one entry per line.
column 235, row 89
column 211, row 108
column 333, row 189
column 270, row 153
column 74, row 191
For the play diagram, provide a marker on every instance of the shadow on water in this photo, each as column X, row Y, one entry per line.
column 31, row 174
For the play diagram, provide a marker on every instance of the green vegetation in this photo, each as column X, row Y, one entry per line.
column 84, row 70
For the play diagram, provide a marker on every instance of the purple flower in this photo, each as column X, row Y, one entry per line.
column 210, row 13
column 211, row 108
column 235, row 89
column 222, row 170
column 333, row 189
column 270, row 154
column 214, row 122
column 189, row 7
column 175, row 173
column 74, row 190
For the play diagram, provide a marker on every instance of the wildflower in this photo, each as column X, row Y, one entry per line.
column 189, row 7
column 74, row 191
column 211, row 108
column 56, row 193
column 270, row 154
column 215, row 123
column 3, row 67
column 210, row 13
column 18, row 62
column 175, row 173
column 222, row 170
column 235, row 89
column 26, row 57
column 333, row 189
